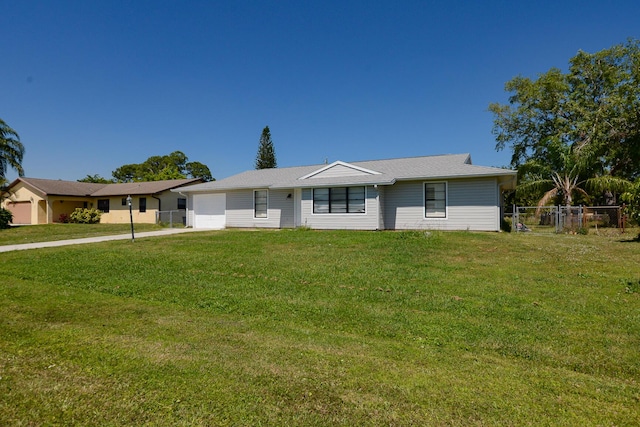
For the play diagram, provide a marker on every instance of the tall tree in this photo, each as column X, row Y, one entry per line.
column 198, row 170
column 157, row 168
column 567, row 128
column 266, row 157
column 11, row 150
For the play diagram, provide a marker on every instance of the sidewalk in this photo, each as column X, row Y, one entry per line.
column 168, row 231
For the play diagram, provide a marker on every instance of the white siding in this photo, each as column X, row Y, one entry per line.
column 471, row 205
column 366, row 221
column 339, row 171
column 240, row 209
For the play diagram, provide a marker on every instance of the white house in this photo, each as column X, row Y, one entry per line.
column 443, row 192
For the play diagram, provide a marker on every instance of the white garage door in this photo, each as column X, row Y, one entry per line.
column 209, row 210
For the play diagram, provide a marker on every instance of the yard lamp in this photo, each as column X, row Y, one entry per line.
column 133, row 239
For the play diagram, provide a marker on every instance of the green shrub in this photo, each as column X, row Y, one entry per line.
column 5, row 218
column 85, row 216
column 506, row 224
column 631, row 199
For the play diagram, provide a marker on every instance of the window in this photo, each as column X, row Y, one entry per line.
column 103, row 205
column 260, row 203
column 124, row 201
column 182, row 203
column 339, row 200
column 435, row 200
column 143, row 204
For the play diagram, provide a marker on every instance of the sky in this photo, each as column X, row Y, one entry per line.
column 93, row 85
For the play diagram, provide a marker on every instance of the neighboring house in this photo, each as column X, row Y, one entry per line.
column 45, row 201
column 434, row 192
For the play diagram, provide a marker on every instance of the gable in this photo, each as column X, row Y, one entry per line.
column 338, row 170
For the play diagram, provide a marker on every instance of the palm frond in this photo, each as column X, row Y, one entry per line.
column 534, row 186
column 608, row 182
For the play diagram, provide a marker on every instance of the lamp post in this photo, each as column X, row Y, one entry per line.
column 133, row 239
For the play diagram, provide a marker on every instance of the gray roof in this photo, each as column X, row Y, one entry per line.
column 387, row 172
column 150, row 187
column 54, row 187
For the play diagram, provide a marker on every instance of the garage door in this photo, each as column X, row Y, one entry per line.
column 21, row 212
column 209, row 210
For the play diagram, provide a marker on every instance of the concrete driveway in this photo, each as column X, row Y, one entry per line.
column 25, row 246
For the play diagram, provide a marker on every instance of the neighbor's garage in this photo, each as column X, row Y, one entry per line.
column 209, row 210
column 21, row 212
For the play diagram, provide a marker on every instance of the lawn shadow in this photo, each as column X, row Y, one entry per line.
column 631, row 240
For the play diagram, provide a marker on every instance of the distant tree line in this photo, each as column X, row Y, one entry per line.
column 157, row 168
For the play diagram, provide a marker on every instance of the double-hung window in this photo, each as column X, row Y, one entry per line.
column 435, row 200
column 143, row 204
column 339, row 200
column 260, row 203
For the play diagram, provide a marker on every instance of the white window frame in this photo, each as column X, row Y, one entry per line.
column 446, row 201
column 266, row 214
column 313, row 211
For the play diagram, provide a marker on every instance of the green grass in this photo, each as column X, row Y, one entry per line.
column 323, row 328
column 44, row 233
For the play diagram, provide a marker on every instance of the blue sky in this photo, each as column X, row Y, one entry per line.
column 93, row 85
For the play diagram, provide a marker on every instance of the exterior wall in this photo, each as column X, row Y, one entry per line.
column 190, row 214
column 367, row 221
column 59, row 206
column 119, row 213
column 169, row 200
column 381, row 190
column 472, row 204
column 280, row 212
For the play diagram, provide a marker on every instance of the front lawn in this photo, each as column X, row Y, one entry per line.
column 323, row 328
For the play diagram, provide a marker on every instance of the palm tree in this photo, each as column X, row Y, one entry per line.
column 11, row 150
column 564, row 174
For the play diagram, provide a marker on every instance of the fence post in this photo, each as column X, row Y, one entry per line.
column 580, row 217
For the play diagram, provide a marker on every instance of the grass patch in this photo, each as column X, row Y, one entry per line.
column 323, row 328
column 50, row 232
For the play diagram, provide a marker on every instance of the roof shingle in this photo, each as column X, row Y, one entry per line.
column 389, row 171
column 54, row 187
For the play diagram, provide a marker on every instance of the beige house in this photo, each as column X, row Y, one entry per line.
column 46, row 201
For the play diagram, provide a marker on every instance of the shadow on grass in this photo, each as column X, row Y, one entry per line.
column 631, row 240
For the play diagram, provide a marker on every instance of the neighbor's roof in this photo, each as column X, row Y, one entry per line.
column 54, row 187
column 381, row 172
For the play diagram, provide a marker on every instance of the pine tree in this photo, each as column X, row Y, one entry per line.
column 266, row 157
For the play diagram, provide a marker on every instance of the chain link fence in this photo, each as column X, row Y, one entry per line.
column 174, row 218
column 559, row 219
